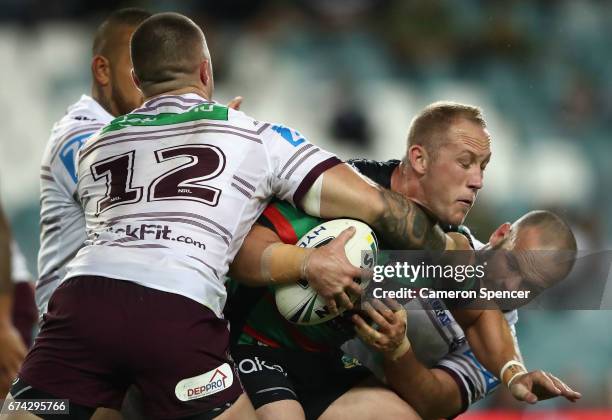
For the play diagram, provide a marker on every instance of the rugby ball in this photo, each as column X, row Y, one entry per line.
column 298, row 302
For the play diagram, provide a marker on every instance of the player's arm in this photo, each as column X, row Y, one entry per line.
column 416, row 384
column 265, row 260
column 341, row 192
column 12, row 349
column 431, row 392
column 316, row 181
column 490, row 338
column 444, row 391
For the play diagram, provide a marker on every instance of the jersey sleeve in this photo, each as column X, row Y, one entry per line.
column 295, row 162
column 63, row 165
column 473, row 380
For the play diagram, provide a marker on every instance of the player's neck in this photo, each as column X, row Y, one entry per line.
column 104, row 100
column 180, row 91
column 404, row 182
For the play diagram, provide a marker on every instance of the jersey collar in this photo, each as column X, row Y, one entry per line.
column 90, row 108
column 170, row 103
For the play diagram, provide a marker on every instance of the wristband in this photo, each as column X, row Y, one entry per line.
column 283, row 263
column 512, row 369
column 400, row 350
column 515, row 376
column 305, row 266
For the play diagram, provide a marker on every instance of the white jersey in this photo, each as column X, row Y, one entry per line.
column 438, row 341
column 62, row 224
column 19, row 267
column 171, row 190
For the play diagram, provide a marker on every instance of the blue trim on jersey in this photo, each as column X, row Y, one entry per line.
column 68, row 153
column 288, row 134
column 491, row 381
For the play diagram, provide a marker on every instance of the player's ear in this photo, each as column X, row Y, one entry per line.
column 500, row 234
column 100, row 69
column 205, row 76
column 417, row 156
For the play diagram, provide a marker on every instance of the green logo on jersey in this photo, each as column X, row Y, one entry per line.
column 207, row 111
column 349, row 362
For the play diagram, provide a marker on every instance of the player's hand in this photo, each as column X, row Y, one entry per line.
column 536, row 386
column 12, row 353
column 331, row 274
column 235, row 103
column 390, row 338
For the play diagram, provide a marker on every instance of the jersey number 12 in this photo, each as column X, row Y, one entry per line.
column 181, row 183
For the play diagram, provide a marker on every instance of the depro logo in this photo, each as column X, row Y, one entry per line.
column 206, row 384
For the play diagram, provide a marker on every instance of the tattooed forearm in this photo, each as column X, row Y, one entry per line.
column 406, row 225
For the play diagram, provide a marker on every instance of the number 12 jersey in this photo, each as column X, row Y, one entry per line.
column 170, row 191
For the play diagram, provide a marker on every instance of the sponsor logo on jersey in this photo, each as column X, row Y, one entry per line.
column 68, row 154
column 350, row 362
column 440, row 312
column 151, row 232
column 258, row 365
column 293, row 137
column 208, row 383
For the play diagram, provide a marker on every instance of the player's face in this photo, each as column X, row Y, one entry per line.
column 515, row 264
column 125, row 94
column 455, row 175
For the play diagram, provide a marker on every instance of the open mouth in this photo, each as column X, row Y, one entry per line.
column 466, row 202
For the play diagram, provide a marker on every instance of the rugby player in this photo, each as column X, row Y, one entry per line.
column 113, row 93
column 157, row 273
column 438, row 375
column 443, row 170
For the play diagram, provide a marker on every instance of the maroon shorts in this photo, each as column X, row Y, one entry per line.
column 101, row 335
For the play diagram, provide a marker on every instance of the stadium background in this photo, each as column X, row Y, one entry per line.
column 350, row 74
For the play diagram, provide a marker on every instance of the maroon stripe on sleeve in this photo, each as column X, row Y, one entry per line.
column 242, row 190
column 245, row 183
column 312, row 177
column 300, row 162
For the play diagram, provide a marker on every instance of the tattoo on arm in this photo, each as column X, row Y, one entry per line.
column 405, row 224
